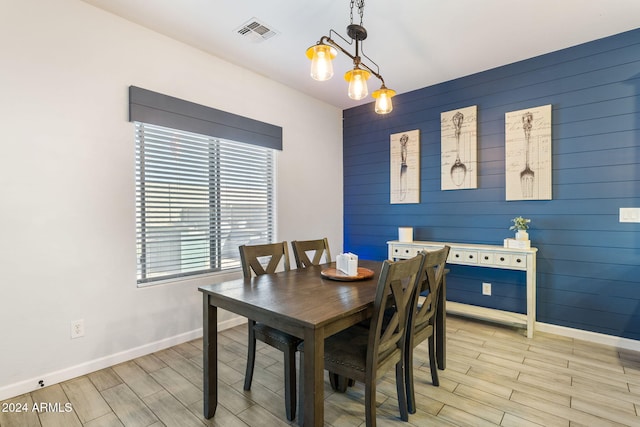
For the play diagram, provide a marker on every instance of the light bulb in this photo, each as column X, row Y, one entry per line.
column 357, row 79
column 383, row 97
column 321, row 56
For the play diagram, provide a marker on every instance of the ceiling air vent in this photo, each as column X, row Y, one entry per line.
column 256, row 31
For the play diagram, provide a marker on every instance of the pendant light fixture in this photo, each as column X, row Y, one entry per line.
column 323, row 52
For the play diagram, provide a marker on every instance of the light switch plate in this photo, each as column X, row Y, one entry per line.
column 629, row 214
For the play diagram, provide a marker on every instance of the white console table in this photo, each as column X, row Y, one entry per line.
column 488, row 256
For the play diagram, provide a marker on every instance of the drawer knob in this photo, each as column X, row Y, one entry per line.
column 486, row 258
column 501, row 258
column 518, row 260
column 457, row 255
column 470, row 256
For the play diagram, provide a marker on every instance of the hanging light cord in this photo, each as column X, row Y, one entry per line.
column 360, row 10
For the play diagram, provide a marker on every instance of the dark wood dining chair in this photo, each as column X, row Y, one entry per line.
column 301, row 249
column 422, row 319
column 360, row 352
column 265, row 259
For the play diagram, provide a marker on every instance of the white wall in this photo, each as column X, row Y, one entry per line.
column 67, row 216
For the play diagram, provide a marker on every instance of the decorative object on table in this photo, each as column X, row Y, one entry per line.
column 335, row 274
column 405, row 167
column 347, row 264
column 323, row 52
column 405, row 234
column 458, row 141
column 528, row 154
column 520, row 225
column 517, row 244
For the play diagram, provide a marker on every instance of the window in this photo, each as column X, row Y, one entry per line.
column 198, row 199
column 199, row 194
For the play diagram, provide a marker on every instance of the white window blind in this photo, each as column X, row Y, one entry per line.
column 198, row 199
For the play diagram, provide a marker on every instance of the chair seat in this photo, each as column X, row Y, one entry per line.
column 275, row 338
column 347, row 348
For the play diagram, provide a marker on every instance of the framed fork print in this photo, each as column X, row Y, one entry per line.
column 405, row 167
column 528, row 154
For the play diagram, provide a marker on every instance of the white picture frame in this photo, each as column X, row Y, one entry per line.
column 405, row 167
column 459, row 149
column 528, row 154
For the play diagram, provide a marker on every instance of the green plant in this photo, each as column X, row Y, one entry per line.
column 520, row 223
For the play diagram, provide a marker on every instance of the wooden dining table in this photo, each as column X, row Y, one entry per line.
column 302, row 303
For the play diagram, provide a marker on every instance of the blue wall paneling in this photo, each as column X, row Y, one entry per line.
column 588, row 262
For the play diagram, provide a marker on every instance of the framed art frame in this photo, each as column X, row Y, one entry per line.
column 459, row 149
column 528, row 171
column 405, row 167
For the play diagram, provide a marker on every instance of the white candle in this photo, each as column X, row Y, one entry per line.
column 405, row 234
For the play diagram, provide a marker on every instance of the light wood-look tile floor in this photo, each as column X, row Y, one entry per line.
column 495, row 376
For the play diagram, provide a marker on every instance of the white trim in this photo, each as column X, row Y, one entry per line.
column 71, row 372
column 228, row 324
column 27, row 386
column 594, row 337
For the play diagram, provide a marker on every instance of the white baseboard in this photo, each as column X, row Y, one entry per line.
column 228, row 324
column 594, row 337
column 515, row 319
column 71, row 372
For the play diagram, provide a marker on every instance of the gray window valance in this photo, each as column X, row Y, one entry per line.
column 163, row 110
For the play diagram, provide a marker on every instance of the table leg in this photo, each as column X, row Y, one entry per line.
column 531, row 294
column 313, row 378
column 210, row 354
column 441, row 326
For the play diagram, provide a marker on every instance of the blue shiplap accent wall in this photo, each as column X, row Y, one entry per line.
column 588, row 262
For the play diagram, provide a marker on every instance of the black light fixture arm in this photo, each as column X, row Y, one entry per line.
column 357, row 34
column 327, row 48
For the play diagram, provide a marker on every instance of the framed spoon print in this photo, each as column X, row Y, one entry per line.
column 459, row 152
column 528, row 154
column 405, row 167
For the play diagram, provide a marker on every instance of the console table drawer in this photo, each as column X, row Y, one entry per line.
column 486, row 258
column 405, row 251
column 463, row 257
column 409, row 251
column 518, row 261
column 502, row 259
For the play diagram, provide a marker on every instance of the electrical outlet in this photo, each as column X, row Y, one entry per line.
column 629, row 214
column 77, row 328
column 486, row 288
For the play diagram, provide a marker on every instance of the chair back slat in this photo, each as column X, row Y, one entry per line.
column 263, row 259
column 434, row 269
column 301, row 249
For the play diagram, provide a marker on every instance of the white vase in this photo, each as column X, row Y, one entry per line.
column 405, row 234
column 522, row 235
